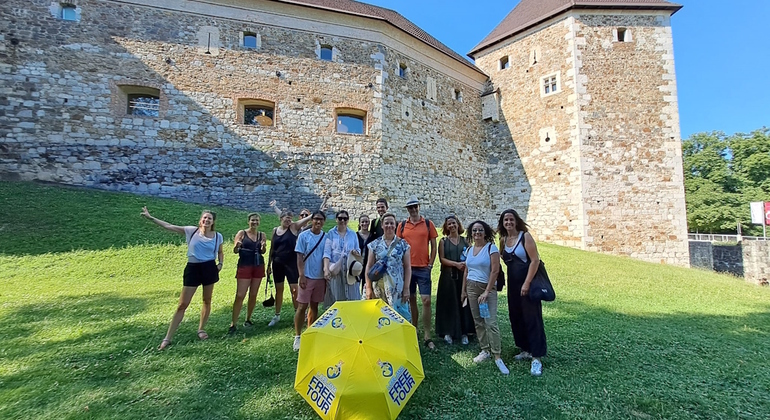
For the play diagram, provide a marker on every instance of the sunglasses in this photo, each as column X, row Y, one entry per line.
column 343, row 219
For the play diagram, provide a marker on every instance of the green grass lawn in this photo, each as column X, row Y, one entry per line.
column 89, row 288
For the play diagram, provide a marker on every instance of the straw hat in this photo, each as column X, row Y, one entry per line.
column 354, row 268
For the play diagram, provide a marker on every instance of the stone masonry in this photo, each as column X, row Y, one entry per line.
column 595, row 164
column 600, row 158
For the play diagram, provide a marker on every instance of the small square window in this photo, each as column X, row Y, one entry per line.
column 402, row 70
column 68, row 12
column 249, row 40
column 326, row 52
column 143, row 104
column 351, row 121
column 550, row 84
column 505, row 63
column 258, row 115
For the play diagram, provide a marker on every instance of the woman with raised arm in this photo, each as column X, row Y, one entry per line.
column 482, row 263
column 522, row 259
column 453, row 319
column 250, row 245
column 204, row 246
column 282, row 260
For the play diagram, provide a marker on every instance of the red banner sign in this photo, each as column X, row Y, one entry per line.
column 767, row 213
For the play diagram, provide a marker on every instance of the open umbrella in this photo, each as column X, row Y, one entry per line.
column 359, row 360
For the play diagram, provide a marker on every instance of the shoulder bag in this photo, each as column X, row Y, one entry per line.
column 540, row 288
column 381, row 266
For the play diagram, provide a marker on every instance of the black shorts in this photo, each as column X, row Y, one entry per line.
column 200, row 274
column 286, row 272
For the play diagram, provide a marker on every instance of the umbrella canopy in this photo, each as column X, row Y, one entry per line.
column 359, row 360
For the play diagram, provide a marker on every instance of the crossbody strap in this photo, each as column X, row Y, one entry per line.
column 316, row 246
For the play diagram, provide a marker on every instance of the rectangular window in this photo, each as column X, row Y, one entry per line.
column 143, row 104
column 457, row 95
column 350, row 121
column 257, row 112
column 621, row 34
column 505, row 63
column 68, row 12
column 402, row 70
column 550, row 84
column 249, row 40
column 326, row 52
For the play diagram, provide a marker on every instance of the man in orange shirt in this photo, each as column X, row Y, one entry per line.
column 421, row 235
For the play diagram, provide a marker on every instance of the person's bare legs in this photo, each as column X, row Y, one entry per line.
column 426, row 315
column 253, row 292
column 299, row 318
column 413, row 308
column 278, row 297
column 240, row 293
column 205, row 310
column 184, row 301
column 293, row 290
column 313, row 315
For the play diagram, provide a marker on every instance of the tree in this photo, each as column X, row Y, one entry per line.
column 722, row 175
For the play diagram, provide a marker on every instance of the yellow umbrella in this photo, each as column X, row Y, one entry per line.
column 359, row 360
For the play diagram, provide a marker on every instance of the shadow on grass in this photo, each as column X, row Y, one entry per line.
column 94, row 356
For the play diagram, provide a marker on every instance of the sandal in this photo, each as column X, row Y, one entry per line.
column 202, row 335
column 163, row 344
column 429, row 344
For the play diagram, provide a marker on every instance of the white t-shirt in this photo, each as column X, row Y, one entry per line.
column 200, row 248
column 480, row 265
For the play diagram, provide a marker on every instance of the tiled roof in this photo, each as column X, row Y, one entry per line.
column 529, row 13
column 390, row 16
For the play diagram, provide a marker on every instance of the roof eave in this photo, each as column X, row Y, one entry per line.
column 640, row 6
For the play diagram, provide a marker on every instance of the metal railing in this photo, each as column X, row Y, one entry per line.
column 716, row 237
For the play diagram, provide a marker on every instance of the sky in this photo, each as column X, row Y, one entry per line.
column 721, row 50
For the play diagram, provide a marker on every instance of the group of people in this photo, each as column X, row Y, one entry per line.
column 335, row 265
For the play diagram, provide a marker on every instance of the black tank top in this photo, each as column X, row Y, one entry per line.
column 283, row 247
column 249, row 254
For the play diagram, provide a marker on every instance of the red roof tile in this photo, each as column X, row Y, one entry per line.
column 390, row 16
column 529, row 13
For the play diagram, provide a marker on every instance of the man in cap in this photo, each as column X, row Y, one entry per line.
column 420, row 234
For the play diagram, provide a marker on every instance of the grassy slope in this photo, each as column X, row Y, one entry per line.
column 89, row 287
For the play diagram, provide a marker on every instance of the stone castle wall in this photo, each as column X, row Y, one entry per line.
column 631, row 155
column 533, row 158
column 598, row 163
column 62, row 118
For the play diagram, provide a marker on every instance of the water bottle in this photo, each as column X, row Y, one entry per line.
column 484, row 310
column 464, row 254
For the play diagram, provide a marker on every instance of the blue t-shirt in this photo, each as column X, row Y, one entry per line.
column 314, row 264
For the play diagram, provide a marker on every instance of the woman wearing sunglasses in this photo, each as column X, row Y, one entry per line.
column 482, row 263
column 340, row 241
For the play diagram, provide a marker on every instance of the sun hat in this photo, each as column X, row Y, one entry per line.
column 413, row 201
column 355, row 267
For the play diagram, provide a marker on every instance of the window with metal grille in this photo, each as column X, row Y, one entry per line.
column 143, row 104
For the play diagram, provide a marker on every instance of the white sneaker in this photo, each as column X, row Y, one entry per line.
column 537, row 368
column 296, row 343
column 274, row 321
column 464, row 340
column 500, row 365
column 525, row 355
column 484, row 355
column 448, row 339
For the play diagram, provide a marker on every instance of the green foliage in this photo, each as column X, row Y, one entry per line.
column 722, row 175
column 80, row 321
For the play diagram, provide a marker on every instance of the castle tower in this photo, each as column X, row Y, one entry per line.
column 583, row 125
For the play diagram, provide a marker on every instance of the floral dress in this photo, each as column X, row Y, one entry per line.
column 391, row 286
